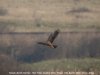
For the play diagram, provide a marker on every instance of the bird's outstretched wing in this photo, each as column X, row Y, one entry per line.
column 50, row 40
column 42, row 43
column 48, row 44
column 53, row 36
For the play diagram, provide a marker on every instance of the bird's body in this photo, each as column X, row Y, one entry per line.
column 50, row 40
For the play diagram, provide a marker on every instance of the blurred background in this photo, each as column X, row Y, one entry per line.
column 23, row 23
column 46, row 15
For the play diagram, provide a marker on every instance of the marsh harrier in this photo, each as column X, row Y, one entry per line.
column 50, row 40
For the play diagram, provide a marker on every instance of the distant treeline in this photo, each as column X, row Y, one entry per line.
column 24, row 47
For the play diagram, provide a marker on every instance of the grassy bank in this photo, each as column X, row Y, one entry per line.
column 84, row 64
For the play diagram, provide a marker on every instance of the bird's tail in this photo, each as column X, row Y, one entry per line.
column 55, row 46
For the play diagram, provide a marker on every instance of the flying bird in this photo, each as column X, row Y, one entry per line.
column 51, row 39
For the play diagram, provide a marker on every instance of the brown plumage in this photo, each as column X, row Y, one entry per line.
column 50, row 40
